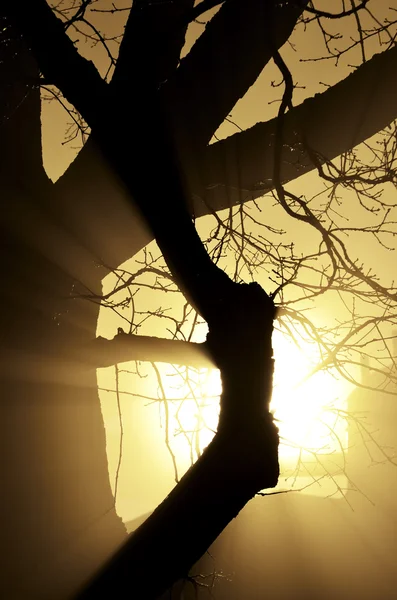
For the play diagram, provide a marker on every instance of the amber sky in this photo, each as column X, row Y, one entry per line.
column 140, row 492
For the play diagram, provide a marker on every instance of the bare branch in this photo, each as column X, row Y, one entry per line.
column 128, row 347
column 339, row 15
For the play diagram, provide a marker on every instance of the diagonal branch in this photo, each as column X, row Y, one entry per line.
column 20, row 127
column 153, row 39
column 224, row 63
column 240, row 167
column 75, row 76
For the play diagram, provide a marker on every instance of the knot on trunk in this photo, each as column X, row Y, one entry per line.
column 240, row 332
column 240, row 342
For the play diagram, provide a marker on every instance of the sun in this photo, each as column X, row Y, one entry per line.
column 185, row 403
column 308, row 411
column 305, row 405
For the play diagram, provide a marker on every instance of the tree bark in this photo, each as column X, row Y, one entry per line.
column 58, row 518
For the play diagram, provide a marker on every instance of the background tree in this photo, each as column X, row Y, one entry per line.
column 111, row 110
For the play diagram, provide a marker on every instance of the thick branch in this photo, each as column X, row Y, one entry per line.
column 223, row 64
column 241, row 460
column 20, row 126
column 240, row 167
column 126, row 347
column 153, row 39
column 56, row 55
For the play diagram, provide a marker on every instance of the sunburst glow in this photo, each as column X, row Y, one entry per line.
column 309, row 412
column 185, row 400
column 307, row 408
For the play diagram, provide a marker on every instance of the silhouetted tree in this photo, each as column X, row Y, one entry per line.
column 150, row 131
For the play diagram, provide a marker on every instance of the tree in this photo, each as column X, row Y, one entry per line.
column 245, row 446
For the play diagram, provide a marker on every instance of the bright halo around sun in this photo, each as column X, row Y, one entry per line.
column 309, row 412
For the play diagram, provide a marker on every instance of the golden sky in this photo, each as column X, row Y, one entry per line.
column 143, row 442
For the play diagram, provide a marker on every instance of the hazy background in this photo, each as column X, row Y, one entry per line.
column 301, row 544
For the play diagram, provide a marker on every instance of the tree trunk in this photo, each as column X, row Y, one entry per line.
column 163, row 549
column 58, row 519
column 241, row 460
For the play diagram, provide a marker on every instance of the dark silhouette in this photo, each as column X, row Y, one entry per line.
column 150, row 130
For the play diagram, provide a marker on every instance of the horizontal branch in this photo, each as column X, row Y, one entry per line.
column 127, row 347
